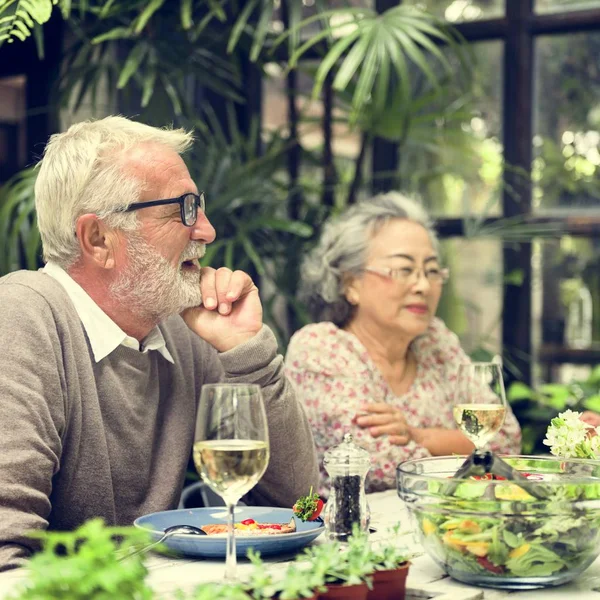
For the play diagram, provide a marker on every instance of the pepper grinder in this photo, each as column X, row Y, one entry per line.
column 347, row 465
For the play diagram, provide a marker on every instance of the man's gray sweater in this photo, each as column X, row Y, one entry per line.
column 80, row 439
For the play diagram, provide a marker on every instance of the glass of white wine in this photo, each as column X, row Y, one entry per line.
column 482, row 401
column 231, row 447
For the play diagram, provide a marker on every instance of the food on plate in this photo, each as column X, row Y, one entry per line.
column 251, row 527
column 308, row 508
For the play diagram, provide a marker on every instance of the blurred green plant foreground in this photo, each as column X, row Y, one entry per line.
column 536, row 407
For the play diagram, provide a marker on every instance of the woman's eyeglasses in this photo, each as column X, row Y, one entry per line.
column 188, row 204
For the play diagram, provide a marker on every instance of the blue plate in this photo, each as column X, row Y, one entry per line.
column 214, row 547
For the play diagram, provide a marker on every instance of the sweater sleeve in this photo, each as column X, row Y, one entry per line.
column 508, row 439
column 332, row 378
column 32, row 417
column 292, row 469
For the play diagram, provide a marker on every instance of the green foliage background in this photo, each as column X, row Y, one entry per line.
column 191, row 62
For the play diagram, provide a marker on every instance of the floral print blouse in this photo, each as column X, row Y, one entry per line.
column 333, row 375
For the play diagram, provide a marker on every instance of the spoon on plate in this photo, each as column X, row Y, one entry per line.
column 168, row 532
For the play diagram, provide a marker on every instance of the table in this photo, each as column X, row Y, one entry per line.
column 426, row 581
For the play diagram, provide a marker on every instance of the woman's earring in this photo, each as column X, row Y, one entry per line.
column 352, row 298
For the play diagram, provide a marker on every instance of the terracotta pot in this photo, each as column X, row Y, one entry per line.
column 345, row 592
column 389, row 585
column 315, row 597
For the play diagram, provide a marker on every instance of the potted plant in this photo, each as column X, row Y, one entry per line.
column 391, row 569
column 299, row 582
column 386, row 562
column 345, row 571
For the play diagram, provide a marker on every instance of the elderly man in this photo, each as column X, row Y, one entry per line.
column 106, row 348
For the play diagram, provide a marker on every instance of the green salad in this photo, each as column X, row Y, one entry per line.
column 497, row 529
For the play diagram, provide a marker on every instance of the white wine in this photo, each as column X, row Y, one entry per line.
column 231, row 467
column 479, row 422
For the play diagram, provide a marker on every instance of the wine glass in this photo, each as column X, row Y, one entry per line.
column 482, row 401
column 231, row 447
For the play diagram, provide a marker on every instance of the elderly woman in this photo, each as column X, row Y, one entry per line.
column 379, row 363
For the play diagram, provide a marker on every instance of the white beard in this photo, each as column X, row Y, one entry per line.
column 151, row 286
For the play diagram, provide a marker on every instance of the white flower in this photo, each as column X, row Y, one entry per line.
column 567, row 437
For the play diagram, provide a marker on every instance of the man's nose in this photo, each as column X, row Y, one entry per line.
column 202, row 230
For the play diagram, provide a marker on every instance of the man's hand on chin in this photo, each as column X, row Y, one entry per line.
column 231, row 312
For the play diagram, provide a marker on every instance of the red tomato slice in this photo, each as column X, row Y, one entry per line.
column 490, row 566
column 317, row 510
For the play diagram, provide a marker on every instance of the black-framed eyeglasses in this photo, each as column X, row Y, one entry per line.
column 188, row 205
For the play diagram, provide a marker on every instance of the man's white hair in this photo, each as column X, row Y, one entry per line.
column 82, row 172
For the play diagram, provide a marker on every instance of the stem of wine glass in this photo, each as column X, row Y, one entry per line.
column 230, row 560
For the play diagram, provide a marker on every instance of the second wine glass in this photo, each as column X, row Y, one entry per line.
column 481, row 406
column 231, row 447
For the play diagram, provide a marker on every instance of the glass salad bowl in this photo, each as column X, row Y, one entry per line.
column 495, row 533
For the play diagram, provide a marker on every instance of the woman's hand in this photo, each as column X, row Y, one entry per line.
column 384, row 419
column 590, row 417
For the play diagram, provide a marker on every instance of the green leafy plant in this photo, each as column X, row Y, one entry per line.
column 389, row 553
column 96, row 562
column 19, row 17
column 19, row 236
column 535, row 408
column 216, row 591
column 299, row 581
column 260, row 585
column 88, row 563
column 374, row 51
column 339, row 565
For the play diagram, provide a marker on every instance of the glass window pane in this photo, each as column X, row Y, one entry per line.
column 566, row 306
column 457, row 11
column 452, row 154
column 471, row 303
column 546, row 6
column 345, row 143
column 12, row 125
column 567, row 123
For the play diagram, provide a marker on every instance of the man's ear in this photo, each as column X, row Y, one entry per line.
column 96, row 241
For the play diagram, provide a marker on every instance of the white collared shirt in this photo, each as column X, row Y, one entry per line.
column 104, row 334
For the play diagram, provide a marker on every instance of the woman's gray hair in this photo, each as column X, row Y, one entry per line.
column 81, row 172
column 342, row 252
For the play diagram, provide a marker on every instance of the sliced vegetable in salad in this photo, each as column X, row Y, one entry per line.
column 496, row 528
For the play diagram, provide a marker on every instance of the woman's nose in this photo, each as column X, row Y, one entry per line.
column 420, row 281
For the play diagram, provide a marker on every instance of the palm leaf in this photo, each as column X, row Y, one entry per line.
column 262, row 29
column 18, row 17
column 132, row 64
column 240, row 24
column 186, row 14
column 140, row 23
column 19, row 236
column 374, row 58
column 322, row 16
